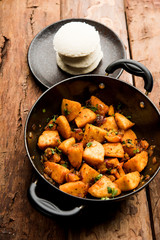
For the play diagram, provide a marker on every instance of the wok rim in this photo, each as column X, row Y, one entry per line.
column 86, row 200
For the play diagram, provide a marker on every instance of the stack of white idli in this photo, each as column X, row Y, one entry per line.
column 78, row 49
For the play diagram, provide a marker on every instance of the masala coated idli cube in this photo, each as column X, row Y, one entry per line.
column 87, row 173
column 75, row 152
column 78, row 188
column 137, row 163
column 63, row 127
column 109, row 124
column 123, row 122
column 70, row 109
column 104, row 187
column 93, row 154
column 129, row 181
column 93, row 133
column 113, row 150
column 64, row 146
column 101, row 107
column 57, row 171
column 85, row 116
column 49, row 139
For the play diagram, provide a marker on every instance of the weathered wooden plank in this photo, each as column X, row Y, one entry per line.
column 125, row 221
column 143, row 19
column 107, row 12
column 20, row 21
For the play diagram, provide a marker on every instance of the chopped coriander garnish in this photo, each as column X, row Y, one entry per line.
column 113, row 191
column 119, row 106
column 50, row 125
column 104, row 198
column 43, row 110
column 64, row 165
column 94, row 109
column 88, row 144
column 98, row 177
column 58, row 150
column 66, row 112
column 54, row 118
column 129, row 117
column 109, row 189
column 52, row 150
column 136, row 150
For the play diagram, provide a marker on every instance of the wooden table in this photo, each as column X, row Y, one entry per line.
column 137, row 23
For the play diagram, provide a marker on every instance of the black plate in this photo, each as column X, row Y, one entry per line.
column 42, row 58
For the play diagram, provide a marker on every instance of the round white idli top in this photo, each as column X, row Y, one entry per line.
column 81, row 62
column 76, row 39
column 78, row 71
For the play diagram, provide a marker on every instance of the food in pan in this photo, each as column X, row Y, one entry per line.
column 92, row 150
column 78, row 49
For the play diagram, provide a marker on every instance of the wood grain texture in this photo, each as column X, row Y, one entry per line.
column 145, row 47
column 20, row 21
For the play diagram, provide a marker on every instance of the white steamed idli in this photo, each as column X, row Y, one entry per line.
column 76, row 39
column 81, row 62
column 78, row 71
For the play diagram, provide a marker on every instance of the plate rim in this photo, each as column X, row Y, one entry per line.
column 65, row 21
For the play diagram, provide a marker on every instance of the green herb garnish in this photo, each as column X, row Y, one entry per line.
column 104, row 198
column 43, row 110
column 64, row 165
column 136, row 151
column 54, row 118
column 88, row 144
column 52, row 150
column 94, row 109
column 66, row 112
column 109, row 189
column 50, row 125
column 112, row 191
column 98, row 177
column 119, row 106
column 58, row 150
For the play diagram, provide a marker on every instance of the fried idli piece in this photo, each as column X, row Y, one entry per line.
column 56, row 171
column 109, row 124
column 137, row 163
column 87, row 173
column 49, row 139
column 70, row 109
column 78, row 188
column 113, row 150
column 63, row 126
column 64, row 146
column 123, row 122
column 103, row 188
column 85, row 116
column 93, row 154
column 75, row 153
column 101, row 107
column 93, row 133
column 128, row 181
